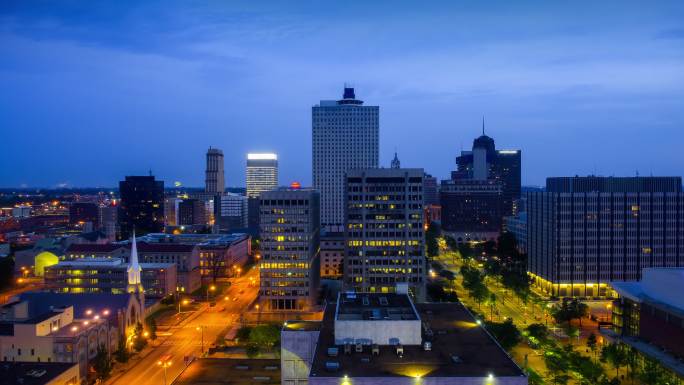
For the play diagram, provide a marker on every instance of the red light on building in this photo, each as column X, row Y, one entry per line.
column 295, row 185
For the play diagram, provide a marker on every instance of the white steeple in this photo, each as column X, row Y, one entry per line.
column 134, row 270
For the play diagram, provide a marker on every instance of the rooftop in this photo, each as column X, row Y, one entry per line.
column 460, row 348
column 31, row 373
column 353, row 306
column 92, row 248
column 95, row 303
column 221, row 371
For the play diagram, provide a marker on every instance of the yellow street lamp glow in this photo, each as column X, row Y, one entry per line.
column 146, row 334
column 185, row 302
column 212, row 288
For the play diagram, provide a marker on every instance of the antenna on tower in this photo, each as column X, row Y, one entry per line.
column 150, row 172
column 483, row 132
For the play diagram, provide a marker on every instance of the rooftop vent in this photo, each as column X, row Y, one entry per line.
column 332, row 366
column 359, row 347
column 365, row 360
column 375, row 350
column 427, row 346
column 400, row 350
column 333, row 352
column 347, row 349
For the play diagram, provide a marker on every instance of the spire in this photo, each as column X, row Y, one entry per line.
column 395, row 161
column 483, row 125
column 134, row 269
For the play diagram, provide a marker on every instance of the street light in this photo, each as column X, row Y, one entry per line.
column 201, row 329
column 164, row 362
column 185, row 302
column 212, row 288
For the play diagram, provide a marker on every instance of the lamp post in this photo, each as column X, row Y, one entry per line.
column 212, row 288
column 185, row 302
column 201, row 329
column 164, row 362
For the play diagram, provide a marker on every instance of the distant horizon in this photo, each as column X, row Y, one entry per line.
column 91, row 94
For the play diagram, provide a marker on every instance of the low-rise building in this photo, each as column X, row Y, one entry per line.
column 96, row 251
column 184, row 256
column 39, row 373
column 52, row 336
column 109, row 275
column 387, row 339
column 652, row 311
column 222, row 256
column 332, row 255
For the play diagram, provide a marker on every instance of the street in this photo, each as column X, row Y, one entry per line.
column 186, row 339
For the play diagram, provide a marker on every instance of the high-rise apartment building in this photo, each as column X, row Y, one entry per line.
column 142, row 206
column 290, row 236
column 345, row 137
column 385, row 240
column 215, row 182
column 472, row 209
column 262, row 173
column 584, row 232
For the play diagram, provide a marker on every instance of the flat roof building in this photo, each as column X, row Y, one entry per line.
column 386, row 339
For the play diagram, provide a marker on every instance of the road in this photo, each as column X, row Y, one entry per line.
column 185, row 339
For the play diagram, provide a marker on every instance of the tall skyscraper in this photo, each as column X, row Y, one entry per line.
column 345, row 137
column 385, row 240
column 486, row 162
column 262, row 173
column 290, row 238
column 230, row 211
column 215, row 182
column 585, row 232
column 142, row 206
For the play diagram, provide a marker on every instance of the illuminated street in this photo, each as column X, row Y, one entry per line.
column 185, row 340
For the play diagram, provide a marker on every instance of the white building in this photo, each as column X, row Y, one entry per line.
column 262, row 173
column 345, row 136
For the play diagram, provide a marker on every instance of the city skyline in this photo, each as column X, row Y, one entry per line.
column 576, row 88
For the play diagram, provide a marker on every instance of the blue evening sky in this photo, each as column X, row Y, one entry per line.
column 93, row 91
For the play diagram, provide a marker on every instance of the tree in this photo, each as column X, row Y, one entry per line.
column 592, row 343
column 652, row 373
column 102, row 363
column 558, row 365
column 265, row 336
column 431, row 235
column 153, row 329
column 121, row 353
column 252, row 350
column 506, row 333
column 243, row 333
column 139, row 341
column 616, row 355
column 538, row 333
column 491, row 301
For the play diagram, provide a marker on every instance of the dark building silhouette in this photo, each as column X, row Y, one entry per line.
column 486, row 162
column 192, row 212
column 82, row 212
column 142, row 206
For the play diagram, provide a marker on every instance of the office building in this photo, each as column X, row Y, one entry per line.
column 345, row 137
column 108, row 275
column 584, row 232
column 472, row 209
column 192, row 212
column 430, row 190
column 83, row 212
column 142, row 206
column 171, row 210
column 650, row 313
column 332, row 255
column 214, row 182
column 389, row 339
column 108, row 220
column 230, row 212
column 224, row 256
column 517, row 225
column 385, row 238
column 262, row 173
column 290, row 235
column 486, row 162
column 184, row 256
